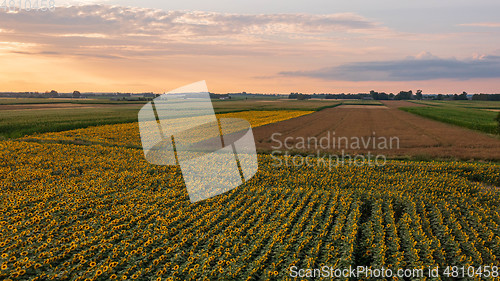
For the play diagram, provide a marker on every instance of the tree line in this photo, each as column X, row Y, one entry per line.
column 402, row 95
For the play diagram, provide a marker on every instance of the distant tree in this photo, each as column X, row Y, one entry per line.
column 439, row 97
column 404, row 95
column 303, row 97
column 486, row 97
column 299, row 96
column 53, row 94
column 418, row 95
column 76, row 95
column 479, row 97
column 383, row 96
column 462, row 96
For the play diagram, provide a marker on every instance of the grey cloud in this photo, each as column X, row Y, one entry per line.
column 408, row 70
column 31, row 53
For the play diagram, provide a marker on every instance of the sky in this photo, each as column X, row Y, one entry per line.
column 314, row 46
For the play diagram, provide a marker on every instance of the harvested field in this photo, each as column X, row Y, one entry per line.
column 418, row 137
column 360, row 106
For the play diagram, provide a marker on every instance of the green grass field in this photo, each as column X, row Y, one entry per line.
column 10, row 101
column 463, row 103
column 19, row 101
column 474, row 115
column 18, row 123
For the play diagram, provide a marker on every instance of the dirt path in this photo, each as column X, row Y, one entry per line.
column 417, row 136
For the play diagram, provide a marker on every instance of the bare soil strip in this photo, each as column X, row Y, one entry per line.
column 401, row 103
column 418, row 137
column 360, row 106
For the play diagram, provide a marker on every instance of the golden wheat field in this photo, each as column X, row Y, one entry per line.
column 97, row 210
